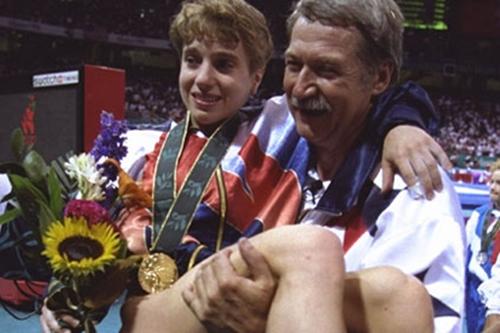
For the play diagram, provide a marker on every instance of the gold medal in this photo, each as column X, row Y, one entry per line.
column 157, row 272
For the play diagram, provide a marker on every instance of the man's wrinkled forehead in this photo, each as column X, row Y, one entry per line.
column 345, row 35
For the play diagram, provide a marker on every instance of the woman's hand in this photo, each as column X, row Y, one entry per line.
column 55, row 323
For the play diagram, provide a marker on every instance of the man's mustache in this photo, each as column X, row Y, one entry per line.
column 315, row 103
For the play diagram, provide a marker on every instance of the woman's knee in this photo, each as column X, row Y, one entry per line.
column 389, row 299
column 302, row 247
column 307, row 238
column 388, row 283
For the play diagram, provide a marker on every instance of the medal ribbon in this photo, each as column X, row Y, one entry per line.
column 492, row 222
column 173, row 212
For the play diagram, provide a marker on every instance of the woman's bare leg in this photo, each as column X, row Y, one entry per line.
column 385, row 300
column 308, row 263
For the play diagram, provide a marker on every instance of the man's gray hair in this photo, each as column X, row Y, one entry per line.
column 380, row 22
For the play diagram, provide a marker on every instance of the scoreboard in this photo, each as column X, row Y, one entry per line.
column 424, row 14
column 68, row 108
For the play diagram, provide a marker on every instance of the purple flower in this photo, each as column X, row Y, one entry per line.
column 109, row 171
column 90, row 210
column 110, row 194
column 110, row 144
column 110, row 141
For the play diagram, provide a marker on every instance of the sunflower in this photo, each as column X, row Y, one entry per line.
column 75, row 248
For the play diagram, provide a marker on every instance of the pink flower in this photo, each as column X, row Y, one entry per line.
column 90, row 210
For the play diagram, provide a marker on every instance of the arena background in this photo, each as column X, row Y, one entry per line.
column 452, row 48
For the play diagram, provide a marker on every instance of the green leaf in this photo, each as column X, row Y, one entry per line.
column 45, row 217
column 24, row 198
column 61, row 297
column 35, row 166
column 17, row 144
column 10, row 215
column 24, row 186
column 122, row 253
column 56, row 201
column 88, row 326
column 27, row 196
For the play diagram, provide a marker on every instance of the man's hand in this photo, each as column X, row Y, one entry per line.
column 492, row 324
column 52, row 323
column 415, row 155
column 223, row 299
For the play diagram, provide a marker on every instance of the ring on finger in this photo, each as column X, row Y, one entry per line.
column 415, row 191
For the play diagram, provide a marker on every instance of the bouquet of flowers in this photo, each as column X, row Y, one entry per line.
column 69, row 208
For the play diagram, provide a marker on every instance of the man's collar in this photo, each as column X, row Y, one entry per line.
column 343, row 192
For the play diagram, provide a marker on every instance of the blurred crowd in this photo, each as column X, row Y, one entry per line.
column 36, row 53
column 470, row 129
column 136, row 18
column 152, row 102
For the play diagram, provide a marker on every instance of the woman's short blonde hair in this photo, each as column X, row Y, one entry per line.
column 227, row 22
column 495, row 166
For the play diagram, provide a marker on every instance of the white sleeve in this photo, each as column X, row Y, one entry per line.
column 4, row 190
column 470, row 226
column 139, row 143
column 490, row 290
column 434, row 249
column 426, row 239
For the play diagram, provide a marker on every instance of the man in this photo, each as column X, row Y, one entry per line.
column 341, row 56
column 292, row 257
column 483, row 264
